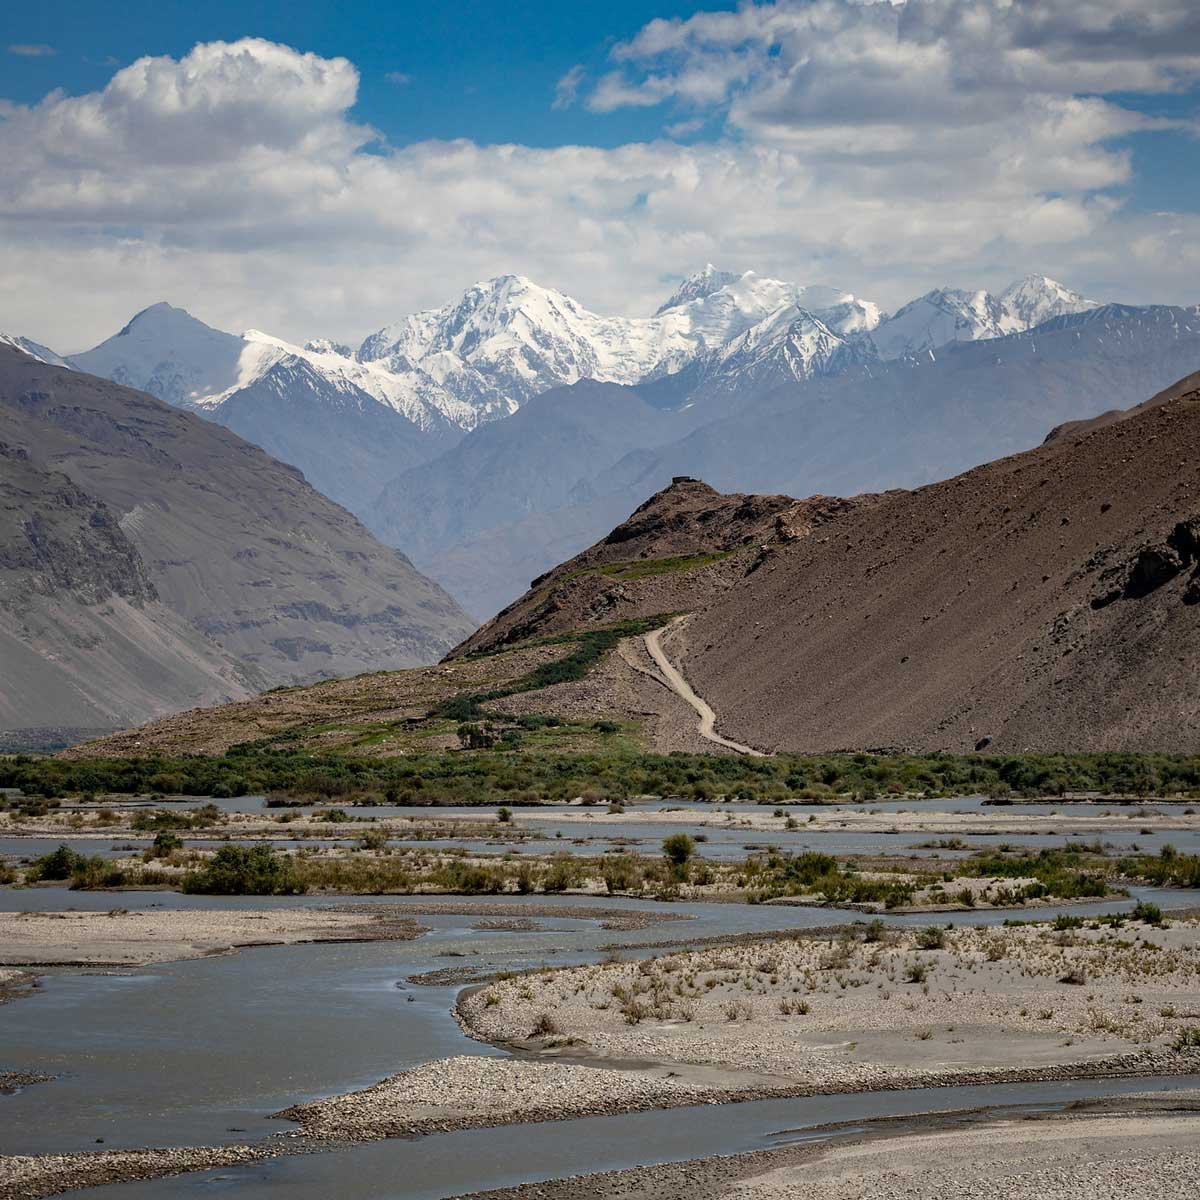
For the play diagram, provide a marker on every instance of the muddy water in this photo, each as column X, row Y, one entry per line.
column 474, row 1160
column 203, row 1051
column 182, row 1052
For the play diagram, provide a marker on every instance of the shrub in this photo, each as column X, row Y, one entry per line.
column 678, row 848
column 165, row 843
column 245, row 871
column 1151, row 914
column 83, row 872
column 932, row 937
column 58, row 864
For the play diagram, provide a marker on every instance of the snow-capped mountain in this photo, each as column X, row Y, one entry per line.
column 354, row 418
column 508, row 339
column 791, row 344
column 698, row 285
column 169, row 353
column 1035, row 299
column 951, row 315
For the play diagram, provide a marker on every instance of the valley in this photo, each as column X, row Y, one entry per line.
column 605, row 907
column 583, row 616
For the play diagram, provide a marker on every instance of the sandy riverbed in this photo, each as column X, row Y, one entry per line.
column 843, row 1012
column 465, row 1092
column 925, row 820
column 123, row 938
column 1135, row 1148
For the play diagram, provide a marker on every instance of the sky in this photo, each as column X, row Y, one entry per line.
column 317, row 169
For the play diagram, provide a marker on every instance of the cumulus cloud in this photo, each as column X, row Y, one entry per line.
column 237, row 182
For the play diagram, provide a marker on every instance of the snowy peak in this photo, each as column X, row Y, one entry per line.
column 169, row 353
column 507, row 339
column 1035, row 299
column 950, row 315
column 34, row 350
column 698, row 285
column 790, row 345
column 936, row 319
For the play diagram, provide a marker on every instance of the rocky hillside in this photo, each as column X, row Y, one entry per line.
column 680, row 551
column 270, row 582
column 85, row 641
column 1050, row 600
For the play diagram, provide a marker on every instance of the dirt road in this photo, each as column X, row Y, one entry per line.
column 683, row 689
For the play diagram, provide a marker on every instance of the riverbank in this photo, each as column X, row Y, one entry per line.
column 14, row 984
column 128, row 939
column 1133, row 1148
column 33, row 1177
column 874, row 1007
column 855, row 1010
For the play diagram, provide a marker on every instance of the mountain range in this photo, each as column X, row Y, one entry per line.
column 150, row 561
column 1048, row 600
column 500, row 433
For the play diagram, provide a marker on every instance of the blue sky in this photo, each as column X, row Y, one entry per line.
column 221, row 155
column 475, row 69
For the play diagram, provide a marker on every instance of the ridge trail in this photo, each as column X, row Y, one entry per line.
column 683, row 690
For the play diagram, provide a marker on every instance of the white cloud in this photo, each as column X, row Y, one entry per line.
column 237, row 183
column 399, row 78
column 566, row 90
column 32, row 50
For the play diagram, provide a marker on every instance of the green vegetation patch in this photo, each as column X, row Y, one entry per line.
column 246, row 871
column 494, row 776
column 1066, row 874
column 644, row 568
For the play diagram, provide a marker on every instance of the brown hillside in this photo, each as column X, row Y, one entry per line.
column 1044, row 601
column 680, row 551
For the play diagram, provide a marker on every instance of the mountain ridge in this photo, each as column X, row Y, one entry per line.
column 252, row 573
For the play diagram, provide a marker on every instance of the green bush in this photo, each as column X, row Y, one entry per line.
column 83, row 872
column 164, row 843
column 58, row 864
column 245, row 871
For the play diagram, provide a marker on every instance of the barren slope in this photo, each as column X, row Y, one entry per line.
column 85, row 641
column 1043, row 601
column 680, row 551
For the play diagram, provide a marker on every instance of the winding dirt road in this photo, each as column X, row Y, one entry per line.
column 683, row 689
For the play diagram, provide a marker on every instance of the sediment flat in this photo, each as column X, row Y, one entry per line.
column 123, row 938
